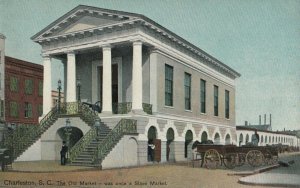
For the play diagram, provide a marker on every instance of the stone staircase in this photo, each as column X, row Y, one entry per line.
column 85, row 157
column 92, row 149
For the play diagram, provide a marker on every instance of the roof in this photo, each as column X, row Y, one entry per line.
column 189, row 46
column 22, row 62
column 249, row 128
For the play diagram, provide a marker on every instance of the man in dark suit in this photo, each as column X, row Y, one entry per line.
column 63, row 152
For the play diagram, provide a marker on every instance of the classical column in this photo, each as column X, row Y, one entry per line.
column 106, row 84
column 47, row 86
column 153, row 79
column 137, row 79
column 71, row 77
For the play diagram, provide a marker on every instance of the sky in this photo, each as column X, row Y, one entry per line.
column 260, row 39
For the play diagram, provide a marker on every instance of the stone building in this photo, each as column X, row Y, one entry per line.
column 151, row 85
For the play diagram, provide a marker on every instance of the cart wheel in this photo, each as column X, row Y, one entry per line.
column 230, row 160
column 255, row 158
column 241, row 159
column 268, row 158
column 275, row 159
column 212, row 159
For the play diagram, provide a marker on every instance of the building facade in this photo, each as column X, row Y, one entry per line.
column 136, row 69
column 244, row 134
column 2, row 76
column 23, row 91
column 55, row 96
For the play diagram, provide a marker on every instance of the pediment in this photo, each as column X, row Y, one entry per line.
column 87, row 22
column 82, row 18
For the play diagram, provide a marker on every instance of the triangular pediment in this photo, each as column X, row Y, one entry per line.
column 82, row 18
column 87, row 22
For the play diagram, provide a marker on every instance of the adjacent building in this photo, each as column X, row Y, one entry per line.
column 23, row 91
column 55, row 96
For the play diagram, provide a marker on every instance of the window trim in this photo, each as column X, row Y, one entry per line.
column 202, row 95
column 169, row 67
column 189, row 87
column 216, row 100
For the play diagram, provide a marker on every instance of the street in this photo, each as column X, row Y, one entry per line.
column 168, row 175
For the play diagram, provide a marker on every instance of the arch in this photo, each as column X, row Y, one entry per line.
column 227, row 139
column 262, row 139
column 266, row 139
column 188, row 144
column 204, row 136
column 131, row 153
column 269, row 139
column 273, row 139
column 241, row 139
column 217, row 138
column 170, row 145
column 247, row 138
column 151, row 135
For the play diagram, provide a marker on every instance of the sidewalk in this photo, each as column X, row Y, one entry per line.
column 46, row 166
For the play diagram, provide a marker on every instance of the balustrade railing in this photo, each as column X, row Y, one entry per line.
column 125, row 126
column 82, row 143
column 125, row 108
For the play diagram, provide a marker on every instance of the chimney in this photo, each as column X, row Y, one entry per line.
column 259, row 119
column 265, row 119
column 246, row 123
column 270, row 119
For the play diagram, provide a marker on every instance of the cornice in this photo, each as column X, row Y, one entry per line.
column 129, row 21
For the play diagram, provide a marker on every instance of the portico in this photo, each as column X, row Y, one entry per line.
column 97, row 73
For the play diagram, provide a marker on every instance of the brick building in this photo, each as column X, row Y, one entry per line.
column 23, row 91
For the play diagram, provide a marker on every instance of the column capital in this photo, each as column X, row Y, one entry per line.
column 106, row 47
column 137, row 42
column 70, row 52
column 44, row 55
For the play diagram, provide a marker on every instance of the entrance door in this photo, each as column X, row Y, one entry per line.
column 157, row 150
column 114, row 83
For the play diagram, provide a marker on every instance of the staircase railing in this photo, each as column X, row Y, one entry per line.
column 25, row 135
column 82, row 143
column 125, row 108
column 125, row 126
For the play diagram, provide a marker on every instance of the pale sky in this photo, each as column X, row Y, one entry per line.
column 260, row 39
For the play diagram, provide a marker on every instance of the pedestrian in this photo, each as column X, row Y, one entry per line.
column 63, row 152
column 255, row 138
column 151, row 147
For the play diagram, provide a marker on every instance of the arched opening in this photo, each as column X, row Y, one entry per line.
column 204, row 137
column 262, row 139
column 270, row 139
column 71, row 136
column 170, row 145
column 276, row 139
column 152, row 134
column 131, row 154
column 227, row 139
column 273, row 139
column 188, row 144
column 266, row 139
column 217, row 139
column 247, row 138
column 241, row 139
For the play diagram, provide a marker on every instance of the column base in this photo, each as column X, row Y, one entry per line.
column 106, row 113
column 138, row 112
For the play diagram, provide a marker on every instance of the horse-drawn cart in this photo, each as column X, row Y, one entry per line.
column 231, row 156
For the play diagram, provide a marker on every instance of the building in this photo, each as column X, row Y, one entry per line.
column 261, row 126
column 55, row 98
column 23, row 91
column 2, row 109
column 151, row 85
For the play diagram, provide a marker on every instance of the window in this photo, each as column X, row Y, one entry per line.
column 14, row 84
column 168, row 85
column 27, row 110
column 28, row 86
column 203, row 95
column 216, row 100
column 2, row 108
column 14, row 109
column 187, row 91
column 40, row 109
column 40, row 88
column 226, row 104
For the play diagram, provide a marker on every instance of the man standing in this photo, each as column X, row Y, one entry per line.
column 63, row 152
